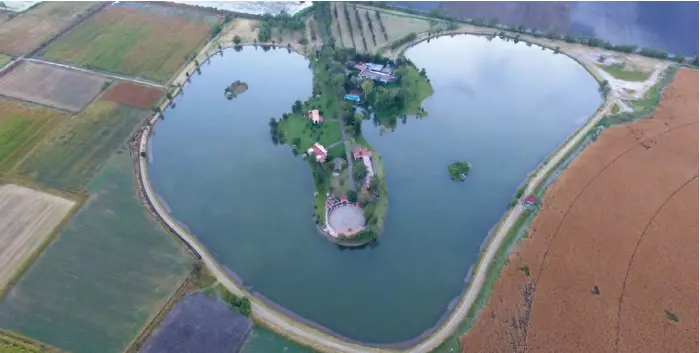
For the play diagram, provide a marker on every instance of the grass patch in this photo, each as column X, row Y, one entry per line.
column 103, row 278
column 300, row 131
column 72, row 154
column 420, row 89
column 132, row 41
column 615, row 108
column 4, row 59
column 619, row 72
column 21, row 127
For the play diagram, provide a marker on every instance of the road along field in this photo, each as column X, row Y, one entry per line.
column 23, row 125
column 52, row 86
column 132, row 94
column 69, row 156
column 141, row 39
column 28, row 30
column 104, row 278
column 27, row 218
column 610, row 262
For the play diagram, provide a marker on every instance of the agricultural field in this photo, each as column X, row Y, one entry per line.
column 199, row 323
column 23, row 125
column 51, row 86
column 13, row 343
column 610, row 261
column 387, row 27
column 27, row 219
column 133, row 95
column 147, row 40
column 70, row 156
column 28, row 30
column 103, row 279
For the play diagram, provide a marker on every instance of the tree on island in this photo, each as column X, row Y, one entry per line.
column 359, row 172
column 237, row 40
column 352, row 195
column 459, row 170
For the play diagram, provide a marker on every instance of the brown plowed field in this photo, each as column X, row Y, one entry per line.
column 52, row 86
column 132, row 94
column 622, row 219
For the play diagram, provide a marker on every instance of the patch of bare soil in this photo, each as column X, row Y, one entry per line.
column 612, row 255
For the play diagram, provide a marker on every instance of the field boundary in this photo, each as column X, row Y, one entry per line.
column 79, row 201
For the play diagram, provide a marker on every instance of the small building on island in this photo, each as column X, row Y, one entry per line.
column 529, row 201
column 315, row 116
column 319, row 151
column 376, row 72
column 366, row 156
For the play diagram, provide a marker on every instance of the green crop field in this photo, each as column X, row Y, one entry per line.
column 134, row 40
column 74, row 152
column 110, row 270
column 21, row 127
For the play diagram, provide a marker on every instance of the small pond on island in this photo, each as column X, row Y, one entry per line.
column 501, row 106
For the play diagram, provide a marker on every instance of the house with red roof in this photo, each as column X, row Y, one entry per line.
column 320, row 152
column 529, row 201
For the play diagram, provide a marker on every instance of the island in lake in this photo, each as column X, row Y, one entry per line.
column 459, row 170
column 350, row 194
column 236, row 88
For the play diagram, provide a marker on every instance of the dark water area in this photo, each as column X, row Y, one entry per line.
column 668, row 25
column 502, row 106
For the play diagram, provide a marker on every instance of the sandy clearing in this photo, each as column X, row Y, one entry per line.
column 27, row 218
column 602, row 211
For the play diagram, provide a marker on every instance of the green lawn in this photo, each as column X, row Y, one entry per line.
column 298, row 127
column 626, row 75
column 110, row 270
column 74, row 152
column 419, row 89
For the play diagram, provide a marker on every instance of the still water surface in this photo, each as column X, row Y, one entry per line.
column 502, row 106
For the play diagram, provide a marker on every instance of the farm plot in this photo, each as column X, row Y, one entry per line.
column 149, row 40
column 108, row 273
column 134, row 95
column 199, row 323
column 21, row 127
column 611, row 257
column 30, row 29
column 70, row 156
column 341, row 26
column 27, row 218
column 52, row 86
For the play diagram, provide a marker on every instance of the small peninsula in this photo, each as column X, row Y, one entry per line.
column 348, row 87
column 459, row 170
column 236, row 88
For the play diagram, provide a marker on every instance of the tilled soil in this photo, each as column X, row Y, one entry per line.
column 132, row 94
column 612, row 255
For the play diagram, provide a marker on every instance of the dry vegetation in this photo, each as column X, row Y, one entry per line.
column 52, row 86
column 611, row 257
column 27, row 31
column 27, row 218
column 146, row 40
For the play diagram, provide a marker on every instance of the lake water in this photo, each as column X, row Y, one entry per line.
column 502, row 106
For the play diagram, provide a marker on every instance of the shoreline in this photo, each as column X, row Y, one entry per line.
column 300, row 332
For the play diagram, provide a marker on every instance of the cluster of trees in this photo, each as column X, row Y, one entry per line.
column 276, row 133
column 381, row 24
column 403, row 40
column 283, row 22
column 322, row 16
column 240, row 304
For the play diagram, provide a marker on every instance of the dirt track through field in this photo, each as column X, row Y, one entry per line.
column 27, row 217
column 612, row 255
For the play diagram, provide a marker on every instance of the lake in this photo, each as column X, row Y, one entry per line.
column 501, row 106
